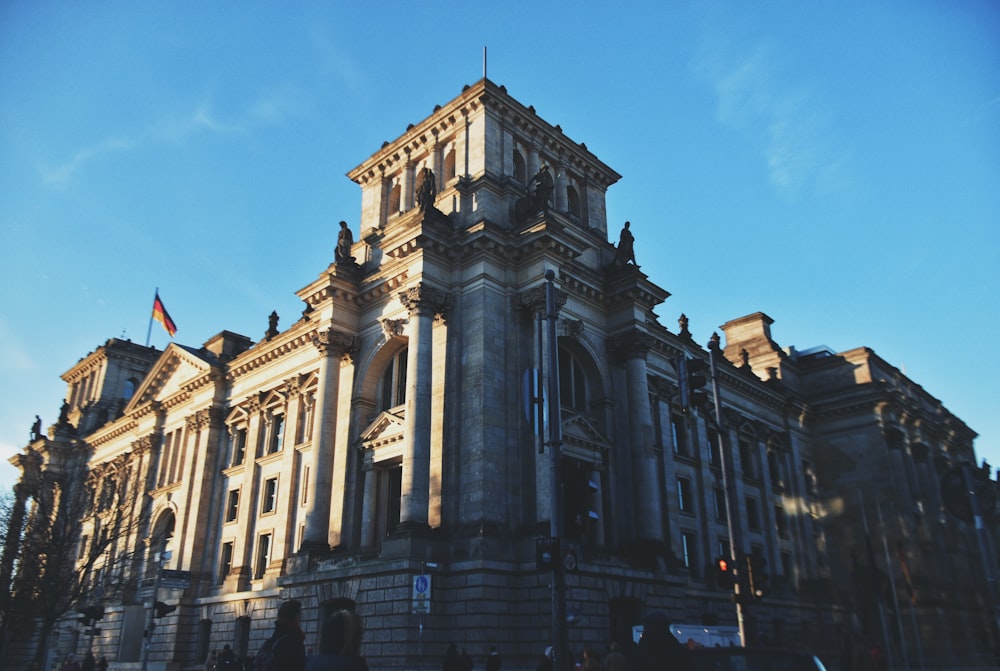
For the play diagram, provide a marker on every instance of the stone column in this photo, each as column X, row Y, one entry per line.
column 370, row 507
column 559, row 201
column 437, row 163
column 406, row 186
column 533, row 162
column 423, row 303
column 332, row 346
column 631, row 349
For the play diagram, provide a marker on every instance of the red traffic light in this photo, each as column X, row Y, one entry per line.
column 723, row 565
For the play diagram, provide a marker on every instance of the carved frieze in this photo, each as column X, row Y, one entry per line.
column 392, row 328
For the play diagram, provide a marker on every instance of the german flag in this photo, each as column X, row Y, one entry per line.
column 161, row 315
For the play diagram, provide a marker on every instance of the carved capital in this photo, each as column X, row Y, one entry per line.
column 425, row 300
column 199, row 420
column 533, row 299
column 292, row 386
column 633, row 344
column 143, row 445
column 336, row 343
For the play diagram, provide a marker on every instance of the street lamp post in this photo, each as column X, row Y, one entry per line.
column 713, row 351
column 559, row 633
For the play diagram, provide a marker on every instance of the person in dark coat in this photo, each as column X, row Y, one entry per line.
column 450, row 662
column 89, row 663
column 339, row 644
column 658, row 649
column 493, row 661
column 288, row 640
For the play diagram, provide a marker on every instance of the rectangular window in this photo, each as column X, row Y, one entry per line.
column 684, row 496
column 239, row 452
column 688, row 549
column 225, row 561
column 679, row 434
column 164, row 460
column 270, row 497
column 713, row 446
column 177, row 458
column 781, row 521
column 277, row 433
column 747, row 458
column 232, row 505
column 305, row 485
column 263, row 556
column 720, row 504
column 753, row 514
column 304, row 430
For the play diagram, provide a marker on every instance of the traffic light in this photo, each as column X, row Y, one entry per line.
column 692, row 378
column 723, row 573
column 757, row 575
column 90, row 615
column 85, row 618
column 579, row 488
column 161, row 609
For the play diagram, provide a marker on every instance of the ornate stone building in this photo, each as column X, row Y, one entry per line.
column 384, row 436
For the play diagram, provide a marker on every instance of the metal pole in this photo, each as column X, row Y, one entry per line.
column 151, row 618
column 559, row 633
column 149, row 329
column 713, row 348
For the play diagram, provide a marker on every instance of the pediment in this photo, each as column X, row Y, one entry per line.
column 175, row 370
column 582, row 440
column 386, row 428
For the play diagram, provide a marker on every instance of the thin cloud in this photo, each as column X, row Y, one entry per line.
column 798, row 141
column 268, row 111
column 13, row 357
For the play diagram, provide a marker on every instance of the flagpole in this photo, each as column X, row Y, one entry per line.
column 149, row 329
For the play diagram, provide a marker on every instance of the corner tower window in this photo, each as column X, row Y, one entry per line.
column 520, row 172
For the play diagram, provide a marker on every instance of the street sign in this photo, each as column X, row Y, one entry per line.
column 421, row 594
column 170, row 579
column 546, row 551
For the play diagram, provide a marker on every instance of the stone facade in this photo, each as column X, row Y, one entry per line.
column 383, row 435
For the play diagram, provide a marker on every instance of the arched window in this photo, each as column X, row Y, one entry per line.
column 520, row 171
column 449, row 166
column 392, row 386
column 573, row 201
column 163, row 531
column 394, row 196
column 129, row 389
column 572, row 382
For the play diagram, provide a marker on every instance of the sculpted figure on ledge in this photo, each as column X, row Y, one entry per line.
column 345, row 240
column 625, row 251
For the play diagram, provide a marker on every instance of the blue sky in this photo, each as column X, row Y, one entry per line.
column 835, row 165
